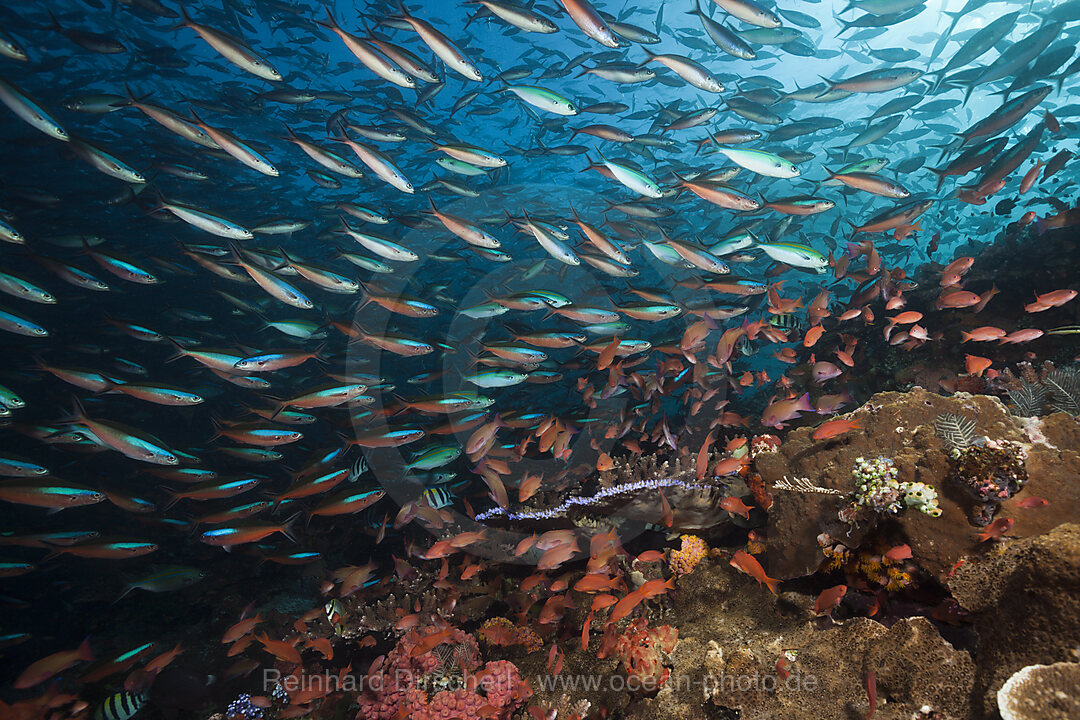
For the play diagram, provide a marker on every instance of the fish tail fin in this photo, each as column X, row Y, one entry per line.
column 365, row 296
column 216, row 424
column 124, row 593
column 649, row 57
column 329, row 23
column 939, row 78
column 288, row 528
column 940, row 172
column 174, row 497
column 84, row 651
column 78, row 412
column 281, row 405
column 286, row 261
column 185, row 19
column 967, row 93
column 179, row 351
column 773, row 584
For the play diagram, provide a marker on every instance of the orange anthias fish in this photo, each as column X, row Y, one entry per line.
column 832, row 428
column 625, row 606
column 279, row 649
column 159, row 663
column 594, row 582
column 748, row 564
column 729, row 466
column 54, row 664
column 996, row 529
column 982, row 334
column 652, row 588
column 955, row 270
column 977, row 365
column 735, row 506
column 556, row 556
column 602, row 601
column 900, row 552
column 431, row 641
column 957, row 299
column 812, row 336
column 241, row 629
column 829, row 599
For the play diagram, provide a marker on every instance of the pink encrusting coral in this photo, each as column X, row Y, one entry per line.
column 404, row 683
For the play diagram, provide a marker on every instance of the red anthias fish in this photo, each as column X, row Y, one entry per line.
column 996, row 529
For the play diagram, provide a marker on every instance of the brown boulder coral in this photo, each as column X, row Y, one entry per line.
column 900, row 427
column 1025, row 603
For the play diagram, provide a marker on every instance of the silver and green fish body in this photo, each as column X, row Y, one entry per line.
column 19, row 325
column 380, row 164
column 24, row 289
column 496, row 378
column 761, row 162
column 233, row 49
column 633, row 179
column 381, row 246
column 520, row 17
column 551, row 244
column 544, row 99
column 207, row 222
column 30, row 111
column 795, row 255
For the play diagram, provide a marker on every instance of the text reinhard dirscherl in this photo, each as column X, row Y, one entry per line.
column 795, row 681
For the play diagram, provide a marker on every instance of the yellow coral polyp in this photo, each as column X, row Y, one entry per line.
column 898, row 581
column 517, row 634
column 686, row 558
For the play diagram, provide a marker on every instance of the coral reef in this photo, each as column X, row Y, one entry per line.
column 1025, row 606
column 415, row 678
column 991, row 473
column 642, row 650
column 502, row 631
column 877, row 488
column 1029, row 391
column 741, row 654
column 811, row 480
column 1041, row 691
